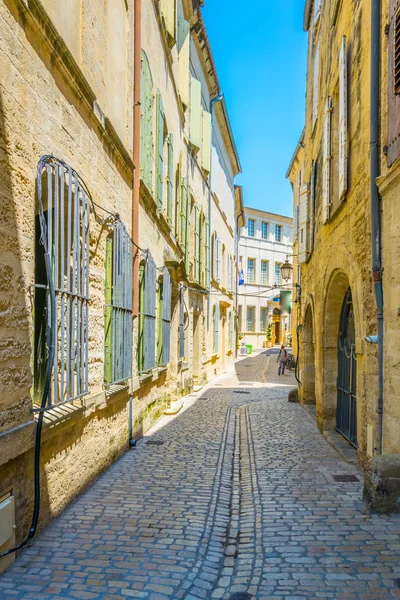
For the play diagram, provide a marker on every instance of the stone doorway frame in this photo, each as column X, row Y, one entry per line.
column 308, row 395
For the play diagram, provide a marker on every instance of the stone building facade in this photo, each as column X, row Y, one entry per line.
column 264, row 244
column 67, row 179
column 331, row 178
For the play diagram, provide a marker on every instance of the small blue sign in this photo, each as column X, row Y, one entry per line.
column 241, row 277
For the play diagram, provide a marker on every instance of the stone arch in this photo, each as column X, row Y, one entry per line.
column 309, row 356
column 337, row 287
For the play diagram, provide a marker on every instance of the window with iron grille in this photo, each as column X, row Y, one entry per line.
column 250, row 227
column 251, row 318
column 62, row 228
column 263, row 318
column 264, row 230
column 264, row 272
column 164, row 318
column 277, row 274
column 118, row 307
column 147, row 315
column 250, row 270
column 278, row 233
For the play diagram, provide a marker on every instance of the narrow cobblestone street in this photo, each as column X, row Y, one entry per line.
column 235, row 497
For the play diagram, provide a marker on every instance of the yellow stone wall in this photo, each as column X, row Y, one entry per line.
column 342, row 249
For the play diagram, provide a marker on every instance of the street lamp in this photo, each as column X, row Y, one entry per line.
column 286, row 270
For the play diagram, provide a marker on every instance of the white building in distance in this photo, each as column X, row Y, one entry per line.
column 265, row 241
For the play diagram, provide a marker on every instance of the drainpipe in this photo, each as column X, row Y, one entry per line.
column 136, row 152
column 237, row 278
column 375, row 205
column 217, row 98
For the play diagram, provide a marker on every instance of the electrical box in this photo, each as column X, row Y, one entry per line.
column 7, row 529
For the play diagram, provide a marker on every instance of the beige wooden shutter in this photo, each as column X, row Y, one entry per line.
column 303, row 220
column 168, row 12
column 326, row 169
column 206, row 142
column 343, row 120
column 315, row 87
column 195, row 133
column 183, row 60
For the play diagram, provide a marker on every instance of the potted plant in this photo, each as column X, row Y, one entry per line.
column 269, row 336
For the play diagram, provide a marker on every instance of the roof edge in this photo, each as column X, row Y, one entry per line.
column 300, row 144
column 307, row 15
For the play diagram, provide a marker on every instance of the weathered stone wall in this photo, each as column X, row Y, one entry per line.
column 342, row 252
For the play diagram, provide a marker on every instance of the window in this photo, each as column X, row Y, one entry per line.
column 164, row 318
column 215, row 328
column 278, row 233
column 146, row 125
column 251, row 318
column 184, row 208
column 264, row 230
column 240, row 314
column 118, row 307
column 62, row 227
column 250, row 270
column 277, row 274
column 263, row 318
column 264, row 272
column 296, row 221
column 197, row 243
column 147, row 315
column 250, row 227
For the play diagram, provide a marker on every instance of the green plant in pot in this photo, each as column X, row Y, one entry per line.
column 269, row 336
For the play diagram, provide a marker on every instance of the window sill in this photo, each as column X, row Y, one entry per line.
column 145, row 377
column 184, row 366
column 162, row 369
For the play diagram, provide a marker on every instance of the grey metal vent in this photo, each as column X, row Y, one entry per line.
column 154, row 443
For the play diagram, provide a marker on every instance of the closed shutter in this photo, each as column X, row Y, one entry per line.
column 195, row 133
column 184, row 60
column 326, row 179
column 315, row 87
column 108, row 313
column 218, row 260
column 231, row 330
column 229, row 274
column 166, row 318
column 216, row 329
column 170, row 182
column 311, row 208
column 181, row 324
column 146, row 130
column 343, row 120
column 303, row 223
column 207, row 253
column 160, row 152
column 206, row 142
column 148, row 310
column 178, row 202
column 393, row 98
column 183, row 213
column 168, row 12
column 197, row 243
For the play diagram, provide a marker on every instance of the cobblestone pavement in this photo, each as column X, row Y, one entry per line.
column 233, row 498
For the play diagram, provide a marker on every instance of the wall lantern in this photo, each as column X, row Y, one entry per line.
column 286, row 270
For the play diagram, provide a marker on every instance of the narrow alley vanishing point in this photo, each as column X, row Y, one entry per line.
column 238, row 496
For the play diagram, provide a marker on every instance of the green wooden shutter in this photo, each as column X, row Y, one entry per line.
column 170, row 182
column 160, row 152
column 197, row 244
column 207, row 254
column 160, row 323
column 146, row 132
column 141, row 319
column 185, row 220
column 108, row 313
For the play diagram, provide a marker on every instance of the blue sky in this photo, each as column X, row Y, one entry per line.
column 260, row 52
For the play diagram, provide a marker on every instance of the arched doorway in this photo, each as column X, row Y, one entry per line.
column 346, row 408
column 276, row 331
column 309, row 359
